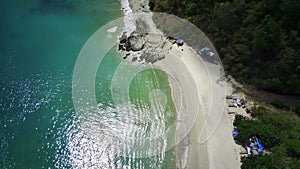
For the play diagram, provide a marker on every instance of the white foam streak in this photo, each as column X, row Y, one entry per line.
column 129, row 21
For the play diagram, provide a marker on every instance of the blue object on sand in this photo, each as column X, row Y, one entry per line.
column 206, row 54
column 179, row 41
column 235, row 133
column 238, row 101
column 205, row 49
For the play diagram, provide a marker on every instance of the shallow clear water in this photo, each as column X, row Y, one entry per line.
column 39, row 44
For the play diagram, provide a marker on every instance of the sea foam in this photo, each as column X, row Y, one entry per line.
column 129, row 21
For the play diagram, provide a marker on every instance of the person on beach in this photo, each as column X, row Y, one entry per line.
column 248, row 150
column 249, row 147
column 251, row 143
column 255, row 150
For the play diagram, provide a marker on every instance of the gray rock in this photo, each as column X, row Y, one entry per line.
column 145, row 56
column 143, row 46
column 134, row 59
column 135, row 42
column 150, row 58
column 123, row 38
column 125, row 57
column 161, row 56
column 141, row 25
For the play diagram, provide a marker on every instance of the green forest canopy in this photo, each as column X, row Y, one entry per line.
column 258, row 40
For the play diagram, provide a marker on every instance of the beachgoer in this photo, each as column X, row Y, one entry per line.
column 251, row 144
column 255, row 150
column 248, row 151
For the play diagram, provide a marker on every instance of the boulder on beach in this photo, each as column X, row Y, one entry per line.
column 143, row 47
column 134, row 42
column 123, row 38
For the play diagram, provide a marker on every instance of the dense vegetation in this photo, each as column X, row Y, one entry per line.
column 257, row 40
column 297, row 110
column 279, row 105
column 279, row 132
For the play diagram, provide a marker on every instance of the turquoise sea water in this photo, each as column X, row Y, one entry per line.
column 39, row 44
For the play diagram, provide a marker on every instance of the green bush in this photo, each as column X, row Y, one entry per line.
column 292, row 147
column 297, row 109
column 273, row 85
column 238, row 120
column 279, row 104
column 262, row 162
column 268, row 134
column 272, row 118
column 275, row 160
column 295, row 164
column 260, row 112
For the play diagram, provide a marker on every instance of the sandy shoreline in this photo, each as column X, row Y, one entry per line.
column 211, row 146
column 179, row 64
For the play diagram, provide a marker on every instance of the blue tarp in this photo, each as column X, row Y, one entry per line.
column 235, row 133
column 205, row 49
column 260, row 146
column 206, row 54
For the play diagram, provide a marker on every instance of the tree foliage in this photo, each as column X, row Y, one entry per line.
column 279, row 104
column 297, row 109
column 263, row 162
column 279, row 133
column 258, row 40
column 270, row 135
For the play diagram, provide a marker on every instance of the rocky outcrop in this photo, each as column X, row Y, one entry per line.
column 134, row 42
column 152, row 58
column 143, row 47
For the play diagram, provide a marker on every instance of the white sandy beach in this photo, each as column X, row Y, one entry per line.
column 219, row 150
column 209, row 143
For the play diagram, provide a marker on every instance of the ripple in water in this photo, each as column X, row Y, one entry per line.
column 123, row 135
column 41, row 129
column 31, row 108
